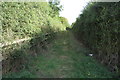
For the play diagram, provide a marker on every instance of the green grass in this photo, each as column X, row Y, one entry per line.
column 64, row 59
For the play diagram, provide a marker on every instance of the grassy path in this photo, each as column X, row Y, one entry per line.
column 64, row 59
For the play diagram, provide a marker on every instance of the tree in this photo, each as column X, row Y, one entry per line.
column 64, row 21
column 56, row 7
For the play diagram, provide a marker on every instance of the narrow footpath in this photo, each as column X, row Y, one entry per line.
column 65, row 58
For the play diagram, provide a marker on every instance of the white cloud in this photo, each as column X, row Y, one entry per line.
column 72, row 9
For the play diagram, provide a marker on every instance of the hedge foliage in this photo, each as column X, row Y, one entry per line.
column 38, row 20
column 99, row 28
column 20, row 20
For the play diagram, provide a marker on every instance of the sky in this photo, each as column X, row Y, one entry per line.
column 72, row 9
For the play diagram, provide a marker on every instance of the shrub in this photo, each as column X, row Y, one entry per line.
column 99, row 28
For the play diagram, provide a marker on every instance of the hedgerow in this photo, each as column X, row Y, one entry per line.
column 99, row 28
column 20, row 20
column 38, row 21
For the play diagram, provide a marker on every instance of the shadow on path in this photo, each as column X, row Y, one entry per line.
column 64, row 58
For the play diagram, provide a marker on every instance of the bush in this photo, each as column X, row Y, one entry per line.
column 99, row 28
column 20, row 20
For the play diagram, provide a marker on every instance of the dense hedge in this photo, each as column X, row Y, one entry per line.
column 37, row 20
column 21, row 20
column 99, row 28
